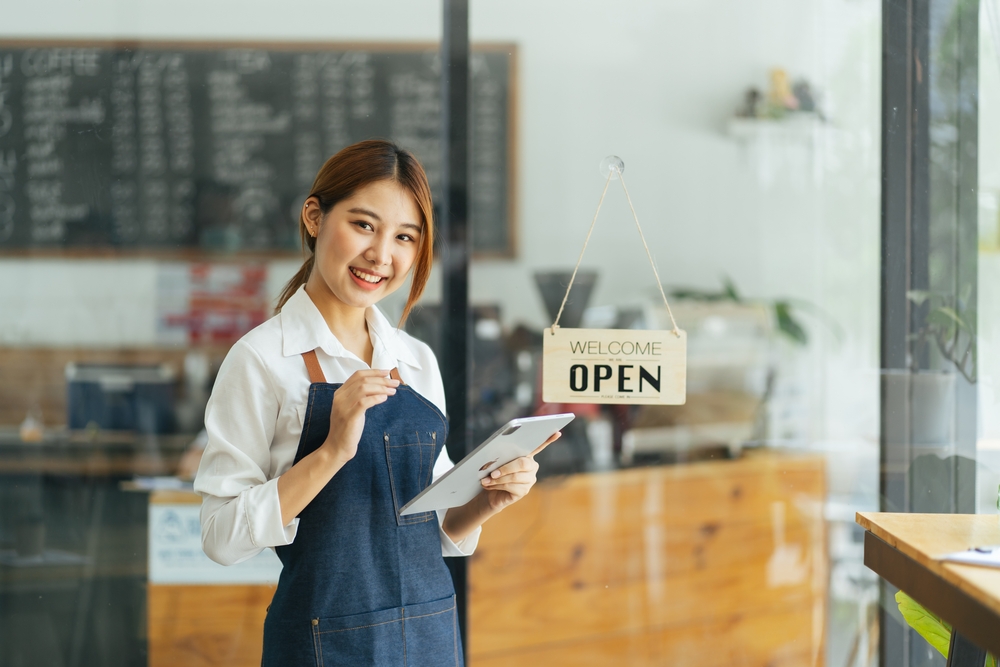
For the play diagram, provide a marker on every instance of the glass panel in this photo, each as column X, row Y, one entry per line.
column 152, row 164
column 931, row 418
column 723, row 527
column 988, row 451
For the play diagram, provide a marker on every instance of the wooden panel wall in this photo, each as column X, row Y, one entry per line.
column 715, row 563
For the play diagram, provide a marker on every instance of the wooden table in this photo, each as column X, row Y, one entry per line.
column 903, row 549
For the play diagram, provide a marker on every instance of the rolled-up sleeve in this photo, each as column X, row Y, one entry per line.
column 240, row 512
column 449, row 547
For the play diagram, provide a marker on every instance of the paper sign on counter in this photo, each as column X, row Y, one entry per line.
column 175, row 555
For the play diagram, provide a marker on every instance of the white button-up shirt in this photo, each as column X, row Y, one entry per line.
column 254, row 420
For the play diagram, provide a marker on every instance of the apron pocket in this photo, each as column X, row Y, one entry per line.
column 430, row 633
column 418, row 635
column 374, row 638
column 411, row 466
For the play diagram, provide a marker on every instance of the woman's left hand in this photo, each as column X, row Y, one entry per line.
column 509, row 483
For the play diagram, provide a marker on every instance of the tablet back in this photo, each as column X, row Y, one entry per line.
column 516, row 438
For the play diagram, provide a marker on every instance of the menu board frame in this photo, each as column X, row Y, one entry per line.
column 187, row 252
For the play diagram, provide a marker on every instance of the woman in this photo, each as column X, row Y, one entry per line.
column 325, row 420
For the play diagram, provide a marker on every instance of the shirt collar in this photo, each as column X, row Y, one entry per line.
column 387, row 336
column 303, row 329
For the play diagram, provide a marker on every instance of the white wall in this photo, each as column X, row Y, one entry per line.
column 653, row 82
column 225, row 19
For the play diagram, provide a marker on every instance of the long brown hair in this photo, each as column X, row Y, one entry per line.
column 355, row 167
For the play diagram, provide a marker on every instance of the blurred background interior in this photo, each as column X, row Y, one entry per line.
column 152, row 160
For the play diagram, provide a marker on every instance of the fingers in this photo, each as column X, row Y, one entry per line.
column 362, row 390
column 520, row 471
column 552, row 438
column 369, row 401
column 377, row 386
column 517, row 465
column 518, row 479
column 371, row 376
column 358, row 387
column 371, row 372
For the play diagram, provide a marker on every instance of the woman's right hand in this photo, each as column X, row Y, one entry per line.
column 347, row 417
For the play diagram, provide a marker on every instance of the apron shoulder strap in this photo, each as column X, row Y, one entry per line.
column 312, row 365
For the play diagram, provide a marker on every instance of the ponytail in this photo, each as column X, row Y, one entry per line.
column 297, row 281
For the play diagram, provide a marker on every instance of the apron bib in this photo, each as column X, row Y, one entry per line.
column 362, row 585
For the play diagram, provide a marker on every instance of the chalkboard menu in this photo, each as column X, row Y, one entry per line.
column 214, row 147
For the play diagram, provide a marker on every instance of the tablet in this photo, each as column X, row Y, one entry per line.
column 516, row 438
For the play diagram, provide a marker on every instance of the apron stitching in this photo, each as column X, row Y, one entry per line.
column 433, row 613
column 309, row 412
column 359, row 627
column 316, row 646
column 403, row 630
column 454, row 630
column 430, row 468
column 435, row 408
column 401, row 520
column 420, row 453
column 375, row 625
column 430, row 473
column 392, row 482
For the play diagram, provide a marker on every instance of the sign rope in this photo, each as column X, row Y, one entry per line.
column 611, row 172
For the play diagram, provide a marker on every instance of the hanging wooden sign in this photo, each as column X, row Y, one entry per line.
column 614, row 365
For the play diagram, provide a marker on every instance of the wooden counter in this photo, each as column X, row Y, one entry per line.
column 101, row 454
column 199, row 625
column 710, row 563
column 714, row 563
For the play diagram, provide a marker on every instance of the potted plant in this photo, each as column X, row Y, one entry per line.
column 950, row 324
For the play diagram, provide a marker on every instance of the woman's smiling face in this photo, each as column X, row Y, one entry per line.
column 365, row 245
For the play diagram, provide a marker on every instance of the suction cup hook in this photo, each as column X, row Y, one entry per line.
column 613, row 164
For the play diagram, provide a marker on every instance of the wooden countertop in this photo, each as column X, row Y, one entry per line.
column 925, row 537
column 102, row 454
column 960, row 594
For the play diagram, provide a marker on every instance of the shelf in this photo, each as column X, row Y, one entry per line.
column 795, row 126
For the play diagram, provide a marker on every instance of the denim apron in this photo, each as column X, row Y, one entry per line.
column 362, row 585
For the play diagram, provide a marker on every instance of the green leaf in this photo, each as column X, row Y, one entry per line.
column 926, row 623
column 950, row 313
column 966, row 292
column 788, row 324
column 963, row 324
column 696, row 294
column 820, row 314
column 918, row 296
column 941, row 321
column 729, row 288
